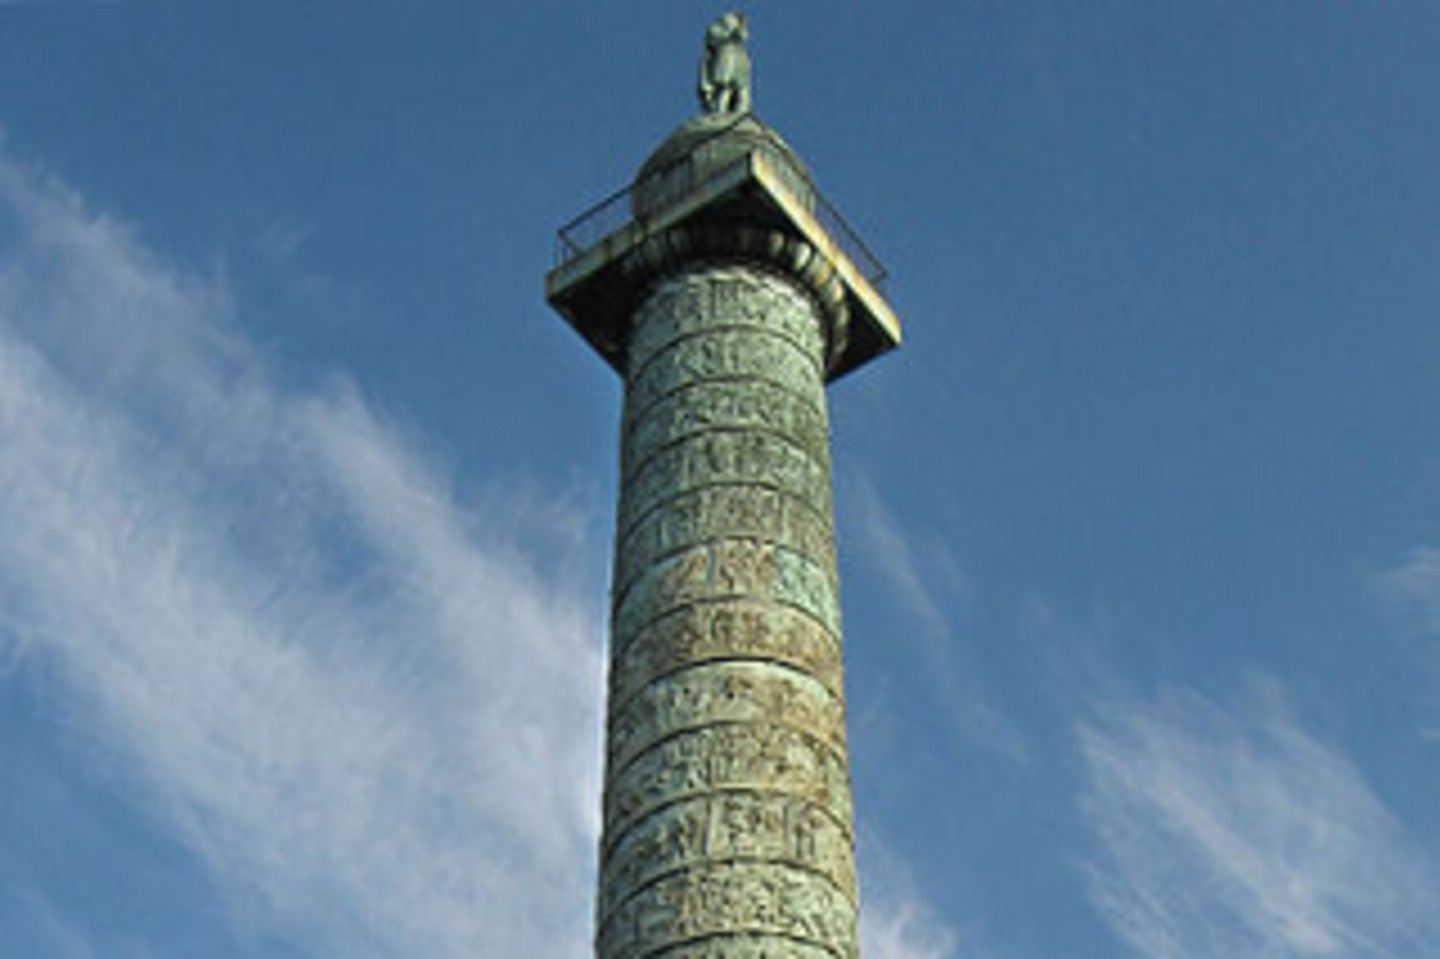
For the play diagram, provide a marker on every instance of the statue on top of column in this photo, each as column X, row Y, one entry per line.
column 725, row 67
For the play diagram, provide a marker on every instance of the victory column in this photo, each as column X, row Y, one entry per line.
column 727, row 294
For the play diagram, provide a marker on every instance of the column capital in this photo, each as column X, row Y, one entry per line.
column 735, row 193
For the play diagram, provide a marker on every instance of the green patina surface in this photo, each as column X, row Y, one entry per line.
column 728, row 825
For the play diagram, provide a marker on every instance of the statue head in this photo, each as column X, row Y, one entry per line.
column 728, row 28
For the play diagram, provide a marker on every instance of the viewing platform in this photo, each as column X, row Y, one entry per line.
column 739, row 173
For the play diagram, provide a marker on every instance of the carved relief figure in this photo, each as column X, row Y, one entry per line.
column 725, row 66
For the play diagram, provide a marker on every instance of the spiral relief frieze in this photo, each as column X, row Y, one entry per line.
column 727, row 810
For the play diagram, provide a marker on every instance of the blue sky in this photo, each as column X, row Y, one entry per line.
column 306, row 496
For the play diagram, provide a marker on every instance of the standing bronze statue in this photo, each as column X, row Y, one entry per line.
column 725, row 66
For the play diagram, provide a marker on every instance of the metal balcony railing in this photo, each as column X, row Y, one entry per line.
column 676, row 180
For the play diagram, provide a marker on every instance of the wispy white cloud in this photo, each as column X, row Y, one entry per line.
column 929, row 585
column 357, row 698
column 61, row 938
column 1228, row 830
column 897, row 920
column 281, row 239
column 904, row 930
column 1410, row 592
column 1412, row 588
